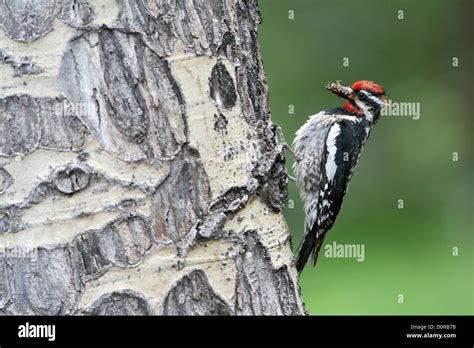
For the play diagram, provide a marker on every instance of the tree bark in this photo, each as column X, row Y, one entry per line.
column 139, row 172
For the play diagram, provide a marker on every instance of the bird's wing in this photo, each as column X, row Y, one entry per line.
column 340, row 155
column 309, row 146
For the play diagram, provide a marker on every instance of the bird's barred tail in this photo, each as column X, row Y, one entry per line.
column 306, row 249
column 310, row 246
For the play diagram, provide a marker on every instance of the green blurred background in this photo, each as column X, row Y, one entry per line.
column 408, row 251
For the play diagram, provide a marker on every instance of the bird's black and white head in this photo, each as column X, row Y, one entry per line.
column 364, row 99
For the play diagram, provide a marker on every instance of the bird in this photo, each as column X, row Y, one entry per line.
column 327, row 149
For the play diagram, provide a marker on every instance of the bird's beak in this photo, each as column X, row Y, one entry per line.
column 341, row 91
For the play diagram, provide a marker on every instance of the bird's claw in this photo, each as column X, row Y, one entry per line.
column 296, row 156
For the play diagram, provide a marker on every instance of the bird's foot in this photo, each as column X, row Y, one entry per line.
column 297, row 157
column 281, row 142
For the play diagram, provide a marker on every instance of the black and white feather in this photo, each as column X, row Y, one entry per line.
column 329, row 145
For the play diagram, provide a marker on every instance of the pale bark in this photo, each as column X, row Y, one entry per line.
column 138, row 163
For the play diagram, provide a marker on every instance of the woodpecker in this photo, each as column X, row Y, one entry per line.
column 327, row 149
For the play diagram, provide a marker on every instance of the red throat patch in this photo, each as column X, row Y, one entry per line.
column 368, row 86
column 349, row 107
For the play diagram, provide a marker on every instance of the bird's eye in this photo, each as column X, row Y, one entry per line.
column 361, row 95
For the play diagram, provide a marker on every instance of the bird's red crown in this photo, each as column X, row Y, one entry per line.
column 368, row 86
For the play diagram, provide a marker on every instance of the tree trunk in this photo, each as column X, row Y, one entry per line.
column 138, row 168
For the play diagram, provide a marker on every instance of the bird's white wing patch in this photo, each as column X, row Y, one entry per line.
column 332, row 149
